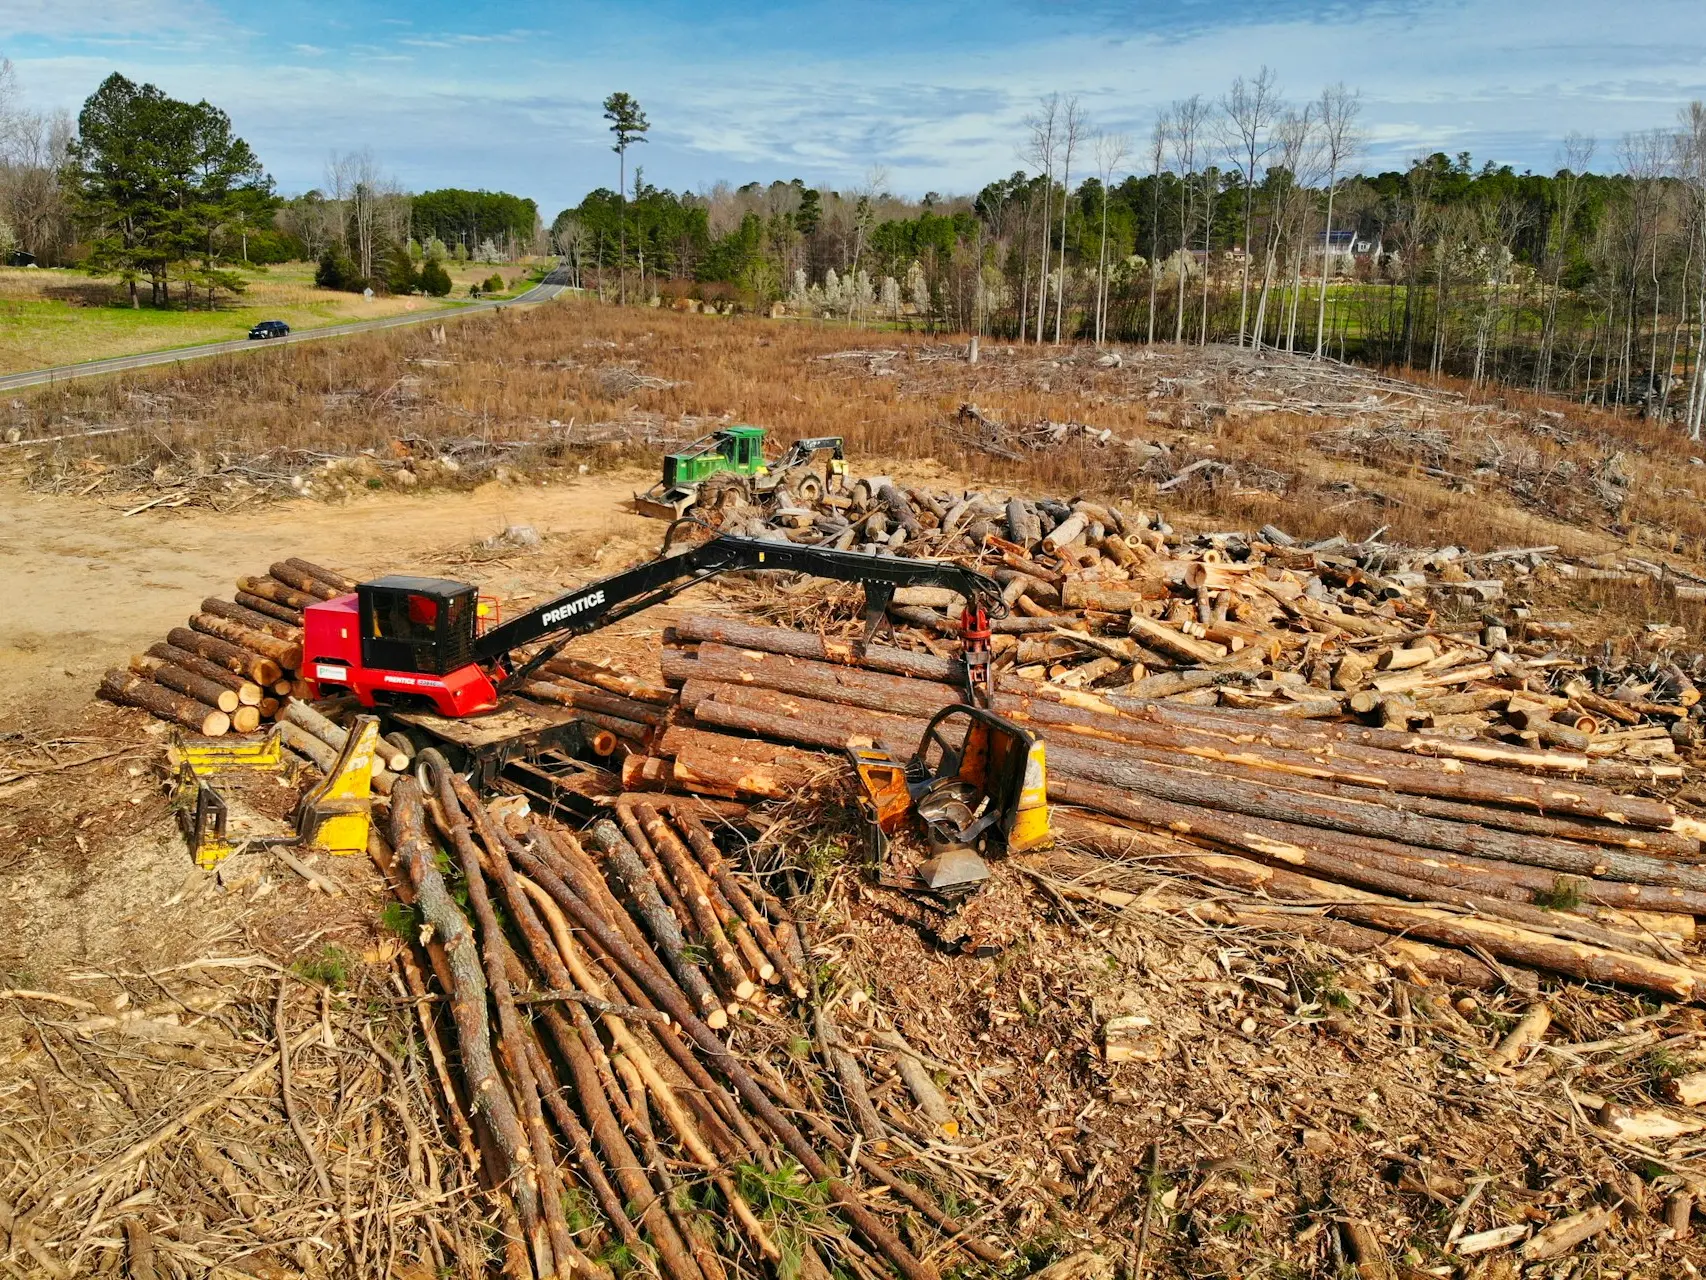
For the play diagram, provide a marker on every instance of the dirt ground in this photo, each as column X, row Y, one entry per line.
column 86, row 585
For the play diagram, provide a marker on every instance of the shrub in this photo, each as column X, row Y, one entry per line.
column 337, row 270
column 399, row 271
column 494, row 283
column 434, row 279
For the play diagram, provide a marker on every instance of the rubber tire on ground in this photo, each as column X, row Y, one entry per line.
column 723, row 493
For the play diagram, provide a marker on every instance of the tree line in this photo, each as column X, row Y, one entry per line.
column 165, row 197
column 1241, row 218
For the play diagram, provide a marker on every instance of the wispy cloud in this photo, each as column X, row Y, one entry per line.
column 84, row 19
column 465, row 39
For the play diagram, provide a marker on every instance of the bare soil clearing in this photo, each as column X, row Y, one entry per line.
column 87, row 584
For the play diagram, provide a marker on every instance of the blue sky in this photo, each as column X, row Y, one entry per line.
column 506, row 96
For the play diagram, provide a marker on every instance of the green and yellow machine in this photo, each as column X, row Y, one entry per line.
column 729, row 464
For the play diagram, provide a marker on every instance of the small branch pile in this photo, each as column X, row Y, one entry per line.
column 589, row 1084
column 233, row 1094
column 236, row 662
column 977, row 430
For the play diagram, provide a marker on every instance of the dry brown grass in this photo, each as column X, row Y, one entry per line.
column 506, row 377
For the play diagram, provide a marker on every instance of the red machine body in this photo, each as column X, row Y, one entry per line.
column 976, row 652
column 332, row 635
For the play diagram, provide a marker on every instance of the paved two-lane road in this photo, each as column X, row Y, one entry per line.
column 546, row 289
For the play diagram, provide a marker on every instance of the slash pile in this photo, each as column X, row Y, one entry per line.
column 236, row 662
column 610, row 1121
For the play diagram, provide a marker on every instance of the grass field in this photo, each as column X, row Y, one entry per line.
column 65, row 317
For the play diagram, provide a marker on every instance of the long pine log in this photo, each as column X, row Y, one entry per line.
column 343, row 584
column 304, row 582
column 187, row 682
column 1503, row 941
column 1275, row 816
column 671, row 1000
column 1378, row 766
column 257, row 667
column 133, row 690
column 287, row 654
column 266, row 624
column 659, row 920
column 697, row 628
column 679, row 866
column 272, row 609
column 249, row 693
column 278, row 592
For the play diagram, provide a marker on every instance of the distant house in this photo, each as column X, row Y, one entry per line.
column 20, row 258
column 1345, row 248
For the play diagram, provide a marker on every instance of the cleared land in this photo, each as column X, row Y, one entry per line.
column 1312, row 1111
column 54, row 317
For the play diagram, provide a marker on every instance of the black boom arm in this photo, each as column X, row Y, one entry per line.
column 598, row 604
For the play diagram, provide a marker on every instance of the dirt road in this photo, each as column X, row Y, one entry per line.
column 82, row 587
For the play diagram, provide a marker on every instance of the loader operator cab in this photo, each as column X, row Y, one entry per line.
column 423, row 625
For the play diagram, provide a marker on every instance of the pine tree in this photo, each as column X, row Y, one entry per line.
column 159, row 178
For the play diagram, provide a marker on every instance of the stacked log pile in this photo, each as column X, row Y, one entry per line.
column 1110, row 600
column 588, row 1076
column 1530, row 856
column 235, row 663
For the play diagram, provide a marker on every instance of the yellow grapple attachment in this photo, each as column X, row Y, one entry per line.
column 336, row 814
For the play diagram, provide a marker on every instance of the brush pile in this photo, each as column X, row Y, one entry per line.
column 612, row 1124
column 235, row 663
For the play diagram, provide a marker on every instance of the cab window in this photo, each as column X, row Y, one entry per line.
column 405, row 615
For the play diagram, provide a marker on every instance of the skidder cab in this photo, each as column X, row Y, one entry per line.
column 401, row 635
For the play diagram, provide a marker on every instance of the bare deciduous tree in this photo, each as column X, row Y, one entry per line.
column 358, row 187
column 1187, row 117
column 865, row 197
column 1112, row 150
column 1691, row 145
column 1340, row 140
column 1295, row 135
column 1072, row 129
column 1249, row 111
column 35, row 215
column 1577, row 155
column 1157, row 155
column 1045, row 128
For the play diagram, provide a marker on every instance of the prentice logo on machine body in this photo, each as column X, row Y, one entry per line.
column 572, row 607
